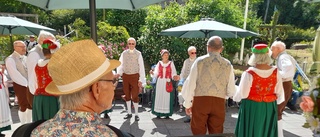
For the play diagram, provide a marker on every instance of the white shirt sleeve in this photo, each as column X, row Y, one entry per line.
column 286, row 66
column 142, row 73
column 279, row 89
column 120, row 68
column 156, row 71
column 190, row 85
column 231, row 85
column 15, row 75
column 32, row 61
column 244, row 87
column 173, row 70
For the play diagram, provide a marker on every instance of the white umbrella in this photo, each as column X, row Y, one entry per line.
column 12, row 25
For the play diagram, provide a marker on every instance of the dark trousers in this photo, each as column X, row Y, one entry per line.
column 208, row 113
column 25, row 98
column 287, row 87
column 130, row 87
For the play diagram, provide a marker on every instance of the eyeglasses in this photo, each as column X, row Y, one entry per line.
column 131, row 43
column 114, row 81
column 193, row 52
column 21, row 46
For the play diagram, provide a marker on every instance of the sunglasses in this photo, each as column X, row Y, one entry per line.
column 131, row 43
column 193, row 52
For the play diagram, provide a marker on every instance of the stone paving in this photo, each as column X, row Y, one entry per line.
column 150, row 126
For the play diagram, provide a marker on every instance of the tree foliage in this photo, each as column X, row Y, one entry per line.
column 158, row 19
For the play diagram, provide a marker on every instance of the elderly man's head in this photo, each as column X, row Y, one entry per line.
column 19, row 47
column 277, row 47
column 131, row 43
column 215, row 44
column 192, row 52
column 82, row 76
column 45, row 35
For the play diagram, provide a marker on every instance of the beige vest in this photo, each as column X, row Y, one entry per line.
column 21, row 63
column 130, row 62
column 186, row 70
column 213, row 76
column 38, row 50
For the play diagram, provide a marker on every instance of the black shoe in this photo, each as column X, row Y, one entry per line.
column 136, row 118
column 167, row 117
column 2, row 135
column 127, row 116
column 106, row 116
column 187, row 120
column 158, row 117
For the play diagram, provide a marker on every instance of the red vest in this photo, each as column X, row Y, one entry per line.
column 43, row 79
column 168, row 71
column 262, row 89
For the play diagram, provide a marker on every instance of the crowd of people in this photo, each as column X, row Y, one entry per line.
column 59, row 88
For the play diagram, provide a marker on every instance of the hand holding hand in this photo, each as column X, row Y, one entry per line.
column 189, row 111
column 140, row 84
column 116, row 76
column 176, row 77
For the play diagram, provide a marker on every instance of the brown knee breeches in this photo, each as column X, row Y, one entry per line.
column 130, row 87
column 25, row 98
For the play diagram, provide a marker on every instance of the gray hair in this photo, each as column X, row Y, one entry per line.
column 131, row 38
column 279, row 44
column 260, row 59
column 74, row 100
column 17, row 42
column 215, row 42
column 191, row 48
column 44, row 34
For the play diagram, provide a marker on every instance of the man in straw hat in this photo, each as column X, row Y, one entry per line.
column 17, row 69
column 82, row 77
column 133, row 75
column 211, row 79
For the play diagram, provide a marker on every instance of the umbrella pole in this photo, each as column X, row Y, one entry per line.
column 93, row 16
column 11, row 41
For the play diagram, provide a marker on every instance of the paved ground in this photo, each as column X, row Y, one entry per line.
column 150, row 126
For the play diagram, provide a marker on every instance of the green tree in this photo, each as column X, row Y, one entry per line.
column 158, row 19
column 131, row 20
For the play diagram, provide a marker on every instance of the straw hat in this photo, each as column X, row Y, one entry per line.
column 77, row 65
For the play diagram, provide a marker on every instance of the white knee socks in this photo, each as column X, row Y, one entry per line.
column 29, row 115
column 135, row 108
column 280, row 130
column 129, row 106
column 22, row 117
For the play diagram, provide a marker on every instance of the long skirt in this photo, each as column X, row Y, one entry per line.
column 257, row 119
column 5, row 113
column 162, row 100
column 44, row 107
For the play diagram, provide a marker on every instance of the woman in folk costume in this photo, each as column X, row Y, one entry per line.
column 260, row 90
column 45, row 105
column 165, row 70
column 5, row 113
